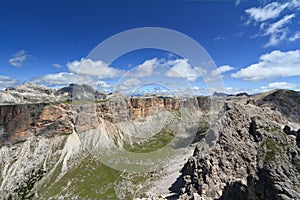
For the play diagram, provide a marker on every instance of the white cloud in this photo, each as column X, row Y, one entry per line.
column 146, row 68
column 272, row 65
column 103, row 85
column 217, row 74
column 132, row 82
column 220, row 37
column 294, row 4
column 234, row 91
column 279, row 24
column 237, row 2
column 280, row 85
column 270, row 86
column 269, row 11
column 295, row 37
column 129, row 84
column 271, row 22
column 6, row 82
column 196, row 88
column 182, row 69
column 93, row 68
column 57, row 66
column 63, row 78
column 277, row 31
column 18, row 59
column 220, row 70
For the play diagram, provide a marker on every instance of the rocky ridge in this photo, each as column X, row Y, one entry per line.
column 254, row 157
column 33, row 93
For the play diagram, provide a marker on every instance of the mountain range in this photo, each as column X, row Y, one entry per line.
column 79, row 143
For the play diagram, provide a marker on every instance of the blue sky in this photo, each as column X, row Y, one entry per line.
column 254, row 44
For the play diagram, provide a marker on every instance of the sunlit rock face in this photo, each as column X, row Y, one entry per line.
column 21, row 121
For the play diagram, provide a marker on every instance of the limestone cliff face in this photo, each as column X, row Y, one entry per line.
column 143, row 107
column 21, row 121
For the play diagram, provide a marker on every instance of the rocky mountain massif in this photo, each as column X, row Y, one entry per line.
column 52, row 144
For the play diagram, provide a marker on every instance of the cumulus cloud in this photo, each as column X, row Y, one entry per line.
column 220, row 70
column 269, row 11
column 129, row 84
column 280, row 85
column 146, row 68
column 103, row 85
column 218, row 73
column 18, row 59
column 181, row 68
column 6, row 82
column 63, row 78
column 93, row 68
column 272, row 65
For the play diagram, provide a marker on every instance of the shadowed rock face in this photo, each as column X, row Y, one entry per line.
column 289, row 131
column 285, row 101
column 252, row 159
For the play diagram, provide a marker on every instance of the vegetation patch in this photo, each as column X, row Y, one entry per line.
column 130, row 185
column 271, row 148
column 158, row 141
column 89, row 180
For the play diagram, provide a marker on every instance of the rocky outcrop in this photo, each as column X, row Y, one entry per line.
column 29, row 93
column 32, row 93
column 294, row 133
column 77, row 92
column 242, row 94
column 252, row 159
column 21, row 121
